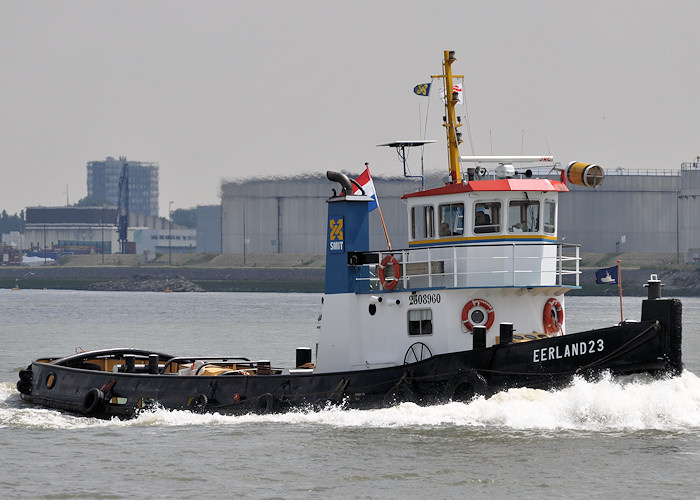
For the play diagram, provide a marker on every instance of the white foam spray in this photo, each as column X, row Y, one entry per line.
column 629, row 404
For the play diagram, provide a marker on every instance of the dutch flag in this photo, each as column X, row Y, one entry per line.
column 365, row 180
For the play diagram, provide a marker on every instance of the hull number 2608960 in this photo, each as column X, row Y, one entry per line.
column 423, row 298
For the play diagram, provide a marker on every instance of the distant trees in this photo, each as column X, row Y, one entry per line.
column 186, row 217
column 91, row 201
column 11, row 222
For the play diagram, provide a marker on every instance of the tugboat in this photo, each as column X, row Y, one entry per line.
column 473, row 306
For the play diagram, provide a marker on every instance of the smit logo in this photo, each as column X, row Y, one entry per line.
column 336, row 235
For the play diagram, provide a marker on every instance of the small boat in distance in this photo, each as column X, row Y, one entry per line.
column 474, row 305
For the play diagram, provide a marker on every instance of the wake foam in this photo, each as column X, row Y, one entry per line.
column 629, row 404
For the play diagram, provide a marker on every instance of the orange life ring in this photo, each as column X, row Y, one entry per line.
column 478, row 303
column 553, row 316
column 390, row 282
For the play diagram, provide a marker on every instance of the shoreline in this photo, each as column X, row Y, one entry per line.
column 210, row 280
column 296, row 273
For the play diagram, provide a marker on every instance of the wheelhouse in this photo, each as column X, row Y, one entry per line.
column 485, row 211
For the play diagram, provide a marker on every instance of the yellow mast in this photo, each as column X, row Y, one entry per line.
column 454, row 138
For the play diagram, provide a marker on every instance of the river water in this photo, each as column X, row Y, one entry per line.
column 609, row 439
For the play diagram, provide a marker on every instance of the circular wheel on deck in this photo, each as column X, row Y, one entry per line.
column 417, row 352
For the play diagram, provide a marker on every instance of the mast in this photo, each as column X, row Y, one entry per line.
column 454, row 138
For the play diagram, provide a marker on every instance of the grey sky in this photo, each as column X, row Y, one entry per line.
column 218, row 90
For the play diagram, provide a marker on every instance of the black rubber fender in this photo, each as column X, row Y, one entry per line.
column 26, row 375
column 93, row 401
column 24, row 387
column 266, row 403
column 199, row 403
column 465, row 386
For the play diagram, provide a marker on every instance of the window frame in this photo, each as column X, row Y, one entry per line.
column 524, row 206
column 420, row 322
column 553, row 213
column 428, row 212
column 494, row 225
column 453, row 209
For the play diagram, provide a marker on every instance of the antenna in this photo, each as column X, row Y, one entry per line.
column 401, row 150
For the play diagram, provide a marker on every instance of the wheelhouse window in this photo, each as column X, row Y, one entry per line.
column 420, row 322
column 523, row 216
column 451, row 219
column 422, row 222
column 549, row 216
column 487, row 217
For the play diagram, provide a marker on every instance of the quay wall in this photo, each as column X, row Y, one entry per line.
column 225, row 280
column 678, row 282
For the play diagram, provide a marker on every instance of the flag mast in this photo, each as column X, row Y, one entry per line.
column 610, row 276
column 454, row 138
column 381, row 216
column 384, row 226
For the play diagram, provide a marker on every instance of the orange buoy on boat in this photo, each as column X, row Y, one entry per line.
column 553, row 316
column 478, row 312
column 389, row 282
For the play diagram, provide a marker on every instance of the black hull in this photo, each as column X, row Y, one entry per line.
column 650, row 346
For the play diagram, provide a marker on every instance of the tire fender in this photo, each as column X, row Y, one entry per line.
column 465, row 386
column 265, row 404
column 93, row 401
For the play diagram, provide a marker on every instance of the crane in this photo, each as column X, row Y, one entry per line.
column 123, row 208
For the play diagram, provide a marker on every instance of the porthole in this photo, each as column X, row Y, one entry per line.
column 477, row 317
column 50, row 380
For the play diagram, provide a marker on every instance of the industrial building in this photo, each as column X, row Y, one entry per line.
column 70, row 230
column 103, row 183
column 289, row 215
column 93, row 230
column 637, row 211
column 208, row 228
column 633, row 211
column 153, row 244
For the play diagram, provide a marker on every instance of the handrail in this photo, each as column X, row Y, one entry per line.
column 479, row 265
column 660, row 172
column 109, row 353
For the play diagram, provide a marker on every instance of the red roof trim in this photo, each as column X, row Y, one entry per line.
column 543, row 185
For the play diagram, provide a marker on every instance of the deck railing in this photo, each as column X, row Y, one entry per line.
column 475, row 266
